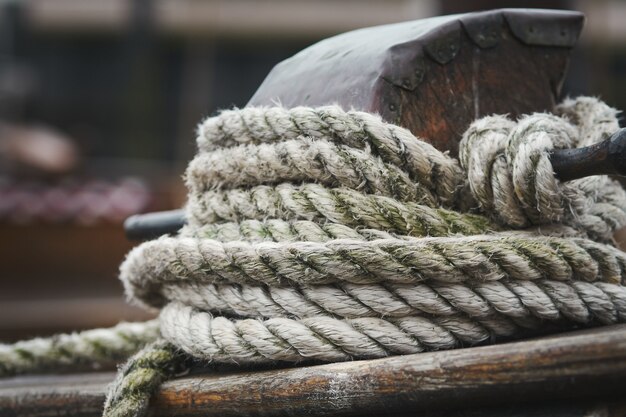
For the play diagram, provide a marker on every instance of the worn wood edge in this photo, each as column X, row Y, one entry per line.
column 533, row 27
column 546, row 27
column 577, row 365
column 376, row 69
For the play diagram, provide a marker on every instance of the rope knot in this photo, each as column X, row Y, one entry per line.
column 324, row 234
column 509, row 171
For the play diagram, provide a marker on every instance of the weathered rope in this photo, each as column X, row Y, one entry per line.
column 352, row 130
column 304, row 160
column 93, row 349
column 342, row 206
column 329, row 235
column 510, row 174
column 517, row 151
column 320, row 234
column 140, row 377
column 512, row 299
column 458, row 259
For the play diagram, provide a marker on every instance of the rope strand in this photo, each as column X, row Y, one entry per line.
column 459, row 259
column 321, row 233
column 93, row 349
column 330, row 235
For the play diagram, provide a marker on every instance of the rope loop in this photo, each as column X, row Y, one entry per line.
column 509, row 170
column 510, row 175
column 329, row 235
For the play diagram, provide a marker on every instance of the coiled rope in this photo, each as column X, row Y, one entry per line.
column 329, row 235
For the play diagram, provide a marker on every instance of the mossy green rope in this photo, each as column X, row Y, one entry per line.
column 141, row 376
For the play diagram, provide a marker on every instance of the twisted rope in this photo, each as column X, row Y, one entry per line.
column 336, row 205
column 329, row 235
column 140, row 377
column 513, row 299
column 360, row 131
column 304, row 160
column 458, row 259
column 320, row 234
column 510, row 174
column 316, row 199
column 94, row 349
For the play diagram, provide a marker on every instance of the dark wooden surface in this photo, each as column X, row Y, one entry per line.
column 565, row 375
column 434, row 76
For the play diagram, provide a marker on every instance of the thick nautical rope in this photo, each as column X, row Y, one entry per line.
column 140, row 376
column 90, row 349
column 325, row 208
column 329, row 235
column 510, row 174
column 318, row 234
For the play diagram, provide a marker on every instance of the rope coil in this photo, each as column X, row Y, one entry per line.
column 325, row 208
column 330, row 235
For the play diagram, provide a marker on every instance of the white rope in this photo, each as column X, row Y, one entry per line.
column 510, row 174
column 330, row 235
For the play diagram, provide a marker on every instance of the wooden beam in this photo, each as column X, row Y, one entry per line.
column 580, row 366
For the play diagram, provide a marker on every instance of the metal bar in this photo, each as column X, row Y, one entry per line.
column 152, row 225
column 604, row 158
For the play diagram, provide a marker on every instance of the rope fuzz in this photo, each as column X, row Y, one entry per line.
column 331, row 235
column 90, row 349
column 140, row 377
column 318, row 234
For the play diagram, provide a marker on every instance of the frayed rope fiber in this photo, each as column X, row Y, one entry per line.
column 318, row 234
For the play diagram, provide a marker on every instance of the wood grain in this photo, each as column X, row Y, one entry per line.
column 587, row 368
column 434, row 76
column 511, row 78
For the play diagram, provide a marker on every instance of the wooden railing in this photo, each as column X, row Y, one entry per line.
column 573, row 374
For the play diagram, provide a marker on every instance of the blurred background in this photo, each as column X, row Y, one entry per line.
column 99, row 100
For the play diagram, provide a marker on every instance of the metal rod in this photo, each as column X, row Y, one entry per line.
column 152, row 225
column 604, row 158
